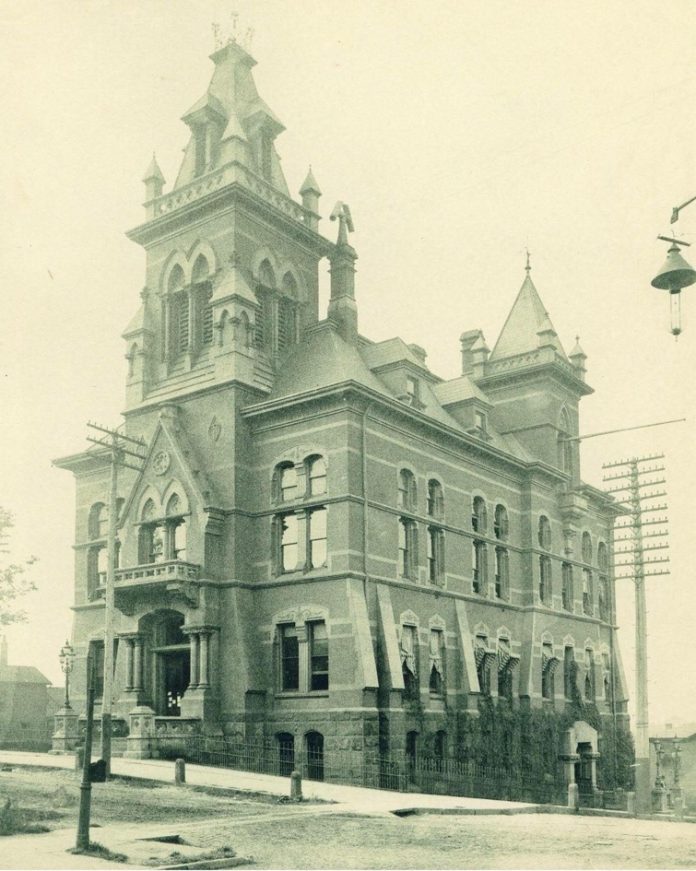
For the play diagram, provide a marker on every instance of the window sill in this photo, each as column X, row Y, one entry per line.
column 301, row 573
column 298, row 694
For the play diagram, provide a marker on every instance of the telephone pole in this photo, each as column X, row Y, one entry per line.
column 630, row 484
column 120, row 447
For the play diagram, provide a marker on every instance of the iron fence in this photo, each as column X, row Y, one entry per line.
column 394, row 771
column 32, row 740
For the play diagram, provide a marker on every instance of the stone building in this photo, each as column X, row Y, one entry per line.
column 328, row 545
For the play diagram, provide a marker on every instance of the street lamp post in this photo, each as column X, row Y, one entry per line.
column 67, row 659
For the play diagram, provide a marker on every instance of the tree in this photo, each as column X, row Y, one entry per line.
column 14, row 582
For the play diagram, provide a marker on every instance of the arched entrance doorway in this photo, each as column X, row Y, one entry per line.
column 314, row 742
column 170, row 660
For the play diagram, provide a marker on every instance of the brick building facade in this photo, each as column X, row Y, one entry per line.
column 329, row 546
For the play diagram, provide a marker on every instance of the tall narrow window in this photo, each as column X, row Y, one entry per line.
column 318, row 656
column 506, row 663
column 587, row 596
column 608, row 689
column 406, row 497
column 482, row 658
column 287, row 323
column 548, row 670
column 479, row 559
column 437, row 669
column 409, row 661
column 544, row 533
column 289, row 551
column 97, row 527
column 317, row 550
column 500, row 523
column 545, row 580
column 567, row 586
column 407, row 548
column 586, row 547
column 204, row 293
column 316, row 473
column 603, row 599
column 180, row 321
column 436, row 503
column 289, row 658
column 502, row 573
column 569, row 670
column 436, row 554
column 285, row 482
column 589, row 675
column 479, row 515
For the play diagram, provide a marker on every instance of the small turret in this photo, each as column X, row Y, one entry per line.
column 577, row 357
column 310, row 194
column 154, row 182
column 547, row 334
column 342, row 308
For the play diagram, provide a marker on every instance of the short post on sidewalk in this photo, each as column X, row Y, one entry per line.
column 179, row 772
column 296, row 786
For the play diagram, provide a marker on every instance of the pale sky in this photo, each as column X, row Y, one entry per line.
column 459, row 133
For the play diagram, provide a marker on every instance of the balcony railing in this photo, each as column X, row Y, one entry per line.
column 171, row 570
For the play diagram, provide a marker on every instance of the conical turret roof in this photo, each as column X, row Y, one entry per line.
column 528, row 317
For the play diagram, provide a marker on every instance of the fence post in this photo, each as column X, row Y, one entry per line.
column 179, row 772
column 573, row 796
column 296, row 786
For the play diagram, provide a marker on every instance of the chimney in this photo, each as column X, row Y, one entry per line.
column 468, row 340
column 342, row 308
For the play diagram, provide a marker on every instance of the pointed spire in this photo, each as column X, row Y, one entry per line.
column 154, row 182
column 577, row 357
column 153, row 172
column 309, row 185
column 527, row 319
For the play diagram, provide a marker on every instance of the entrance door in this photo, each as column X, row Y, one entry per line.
column 583, row 769
column 175, row 667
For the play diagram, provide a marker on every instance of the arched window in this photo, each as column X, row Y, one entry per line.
column 286, row 753
column 544, row 532
column 545, row 580
column 586, row 547
column 500, row 523
column 407, row 495
column 502, row 573
column 178, row 312
column 567, row 591
column 436, row 680
column 285, row 482
column 479, row 515
column 314, row 742
column 202, row 294
column 98, row 521
column 602, row 558
column 151, row 537
column 569, row 672
column 436, row 500
column 176, row 529
column 287, row 312
column 589, row 675
column 409, row 661
column 264, row 318
column 316, row 475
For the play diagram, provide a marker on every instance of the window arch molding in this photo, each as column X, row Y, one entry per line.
column 177, row 259
column 149, row 493
column 175, row 488
column 406, row 487
column 260, row 256
column 501, row 521
column 479, row 509
column 286, row 268
column 202, row 248
column 435, row 497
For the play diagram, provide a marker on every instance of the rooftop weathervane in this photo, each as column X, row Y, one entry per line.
column 225, row 34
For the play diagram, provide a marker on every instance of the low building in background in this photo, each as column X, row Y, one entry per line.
column 26, row 716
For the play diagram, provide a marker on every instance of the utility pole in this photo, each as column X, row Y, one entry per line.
column 115, row 442
column 630, row 484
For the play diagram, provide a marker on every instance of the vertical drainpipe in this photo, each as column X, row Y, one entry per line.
column 364, row 496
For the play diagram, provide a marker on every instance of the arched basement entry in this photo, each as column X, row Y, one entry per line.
column 170, row 660
column 314, row 743
column 286, row 753
column 580, row 757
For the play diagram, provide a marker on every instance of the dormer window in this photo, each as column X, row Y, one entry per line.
column 411, row 389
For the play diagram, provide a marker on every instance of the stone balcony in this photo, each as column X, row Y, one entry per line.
column 174, row 578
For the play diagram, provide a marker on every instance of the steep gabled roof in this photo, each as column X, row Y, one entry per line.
column 22, row 674
column 527, row 318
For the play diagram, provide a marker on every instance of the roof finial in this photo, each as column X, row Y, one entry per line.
column 528, row 267
column 341, row 213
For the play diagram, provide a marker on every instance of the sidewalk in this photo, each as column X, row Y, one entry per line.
column 351, row 799
column 48, row 850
